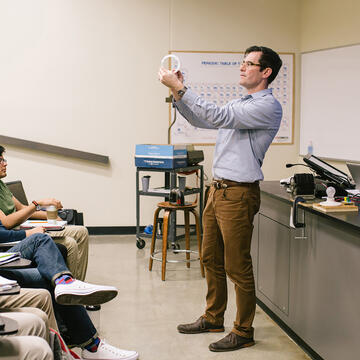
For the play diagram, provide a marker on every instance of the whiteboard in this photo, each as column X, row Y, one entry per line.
column 215, row 77
column 330, row 118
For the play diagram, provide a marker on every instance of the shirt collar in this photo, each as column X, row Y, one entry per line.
column 261, row 93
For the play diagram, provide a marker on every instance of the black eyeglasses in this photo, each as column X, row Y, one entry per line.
column 3, row 161
column 249, row 63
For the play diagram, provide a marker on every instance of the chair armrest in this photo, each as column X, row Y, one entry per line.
column 8, row 245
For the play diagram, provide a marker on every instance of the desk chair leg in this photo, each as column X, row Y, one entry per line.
column 153, row 238
column 187, row 237
column 164, row 245
column 198, row 235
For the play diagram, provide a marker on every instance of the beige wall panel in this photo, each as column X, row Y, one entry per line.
column 87, row 70
column 233, row 25
column 329, row 23
column 83, row 74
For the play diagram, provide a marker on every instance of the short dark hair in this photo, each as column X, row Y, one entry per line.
column 269, row 58
column 2, row 150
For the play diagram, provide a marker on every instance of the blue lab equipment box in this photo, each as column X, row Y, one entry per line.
column 160, row 156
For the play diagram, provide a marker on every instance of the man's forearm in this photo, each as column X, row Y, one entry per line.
column 39, row 215
column 11, row 235
column 175, row 90
column 187, row 109
column 18, row 217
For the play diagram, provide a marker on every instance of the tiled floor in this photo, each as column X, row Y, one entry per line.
column 147, row 310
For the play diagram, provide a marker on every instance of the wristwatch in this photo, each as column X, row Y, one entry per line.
column 37, row 206
column 182, row 92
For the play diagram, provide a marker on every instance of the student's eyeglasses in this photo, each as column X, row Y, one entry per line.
column 3, row 161
column 249, row 63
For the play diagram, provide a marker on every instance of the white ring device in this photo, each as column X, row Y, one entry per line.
column 172, row 60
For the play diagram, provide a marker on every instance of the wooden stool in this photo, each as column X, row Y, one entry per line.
column 168, row 208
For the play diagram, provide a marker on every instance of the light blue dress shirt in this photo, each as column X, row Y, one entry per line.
column 246, row 126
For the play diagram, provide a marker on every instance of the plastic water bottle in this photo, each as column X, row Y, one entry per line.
column 310, row 148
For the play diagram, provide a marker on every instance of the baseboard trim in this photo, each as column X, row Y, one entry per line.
column 113, row 230
column 298, row 340
column 120, row 230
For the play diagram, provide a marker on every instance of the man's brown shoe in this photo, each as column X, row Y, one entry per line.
column 199, row 326
column 231, row 342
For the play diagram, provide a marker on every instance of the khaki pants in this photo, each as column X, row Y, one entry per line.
column 25, row 348
column 76, row 240
column 33, row 298
column 29, row 342
column 228, row 225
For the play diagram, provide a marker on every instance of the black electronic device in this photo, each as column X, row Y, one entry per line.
column 177, row 197
column 321, row 186
column 194, row 157
column 329, row 173
column 303, row 185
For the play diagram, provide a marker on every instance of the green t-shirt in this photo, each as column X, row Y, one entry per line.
column 7, row 205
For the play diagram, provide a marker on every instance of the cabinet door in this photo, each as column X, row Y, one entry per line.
column 273, row 271
column 325, row 290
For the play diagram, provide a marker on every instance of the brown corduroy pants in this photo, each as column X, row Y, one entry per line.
column 228, row 225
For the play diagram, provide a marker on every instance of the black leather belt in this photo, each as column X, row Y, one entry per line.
column 224, row 184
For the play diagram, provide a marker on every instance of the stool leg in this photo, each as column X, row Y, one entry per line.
column 187, row 236
column 153, row 238
column 164, row 245
column 198, row 235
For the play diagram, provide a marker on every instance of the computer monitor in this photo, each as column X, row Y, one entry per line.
column 355, row 172
column 328, row 172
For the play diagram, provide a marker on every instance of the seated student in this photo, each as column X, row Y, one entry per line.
column 51, row 265
column 37, row 301
column 32, row 323
column 13, row 213
column 33, row 312
column 30, row 340
column 80, row 329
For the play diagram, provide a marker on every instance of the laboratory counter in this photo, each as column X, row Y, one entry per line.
column 277, row 191
column 307, row 278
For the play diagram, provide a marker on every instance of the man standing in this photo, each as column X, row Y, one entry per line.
column 13, row 213
column 247, row 127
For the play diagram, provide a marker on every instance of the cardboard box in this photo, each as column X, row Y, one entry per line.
column 160, row 156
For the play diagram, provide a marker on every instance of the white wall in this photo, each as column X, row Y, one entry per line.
column 233, row 26
column 83, row 74
column 327, row 24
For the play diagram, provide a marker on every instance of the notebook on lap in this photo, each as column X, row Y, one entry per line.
column 29, row 224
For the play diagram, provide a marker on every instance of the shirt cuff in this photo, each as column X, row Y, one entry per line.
column 187, row 99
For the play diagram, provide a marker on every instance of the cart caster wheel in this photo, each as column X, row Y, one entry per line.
column 140, row 243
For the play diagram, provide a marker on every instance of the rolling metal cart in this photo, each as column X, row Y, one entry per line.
column 170, row 183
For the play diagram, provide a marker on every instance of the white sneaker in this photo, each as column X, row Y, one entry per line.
column 109, row 352
column 82, row 293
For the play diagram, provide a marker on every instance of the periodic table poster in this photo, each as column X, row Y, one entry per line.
column 215, row 77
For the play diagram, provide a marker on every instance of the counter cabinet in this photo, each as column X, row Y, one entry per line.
column 309, row 278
